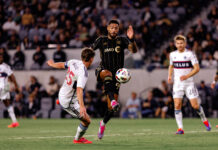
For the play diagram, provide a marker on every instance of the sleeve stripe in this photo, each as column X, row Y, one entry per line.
column 65, row 65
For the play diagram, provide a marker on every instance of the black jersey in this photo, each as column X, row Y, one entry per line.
column 111, row 52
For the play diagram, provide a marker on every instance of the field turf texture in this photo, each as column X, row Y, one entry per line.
column 120, row 134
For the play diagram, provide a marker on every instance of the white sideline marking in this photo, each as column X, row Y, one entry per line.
column 134, row 134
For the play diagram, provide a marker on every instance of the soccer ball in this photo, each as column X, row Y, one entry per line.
column 123, row 75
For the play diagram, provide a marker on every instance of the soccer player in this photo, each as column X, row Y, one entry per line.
column 213, row 84
column 71, row 92
column 215, row 80
column 185, row 65
column 112, row 49
column 5, row 74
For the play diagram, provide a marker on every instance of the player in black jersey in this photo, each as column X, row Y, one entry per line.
column 112, row 49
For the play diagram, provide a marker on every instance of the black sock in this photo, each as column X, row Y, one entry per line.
column 108, row 86
column 107, row 116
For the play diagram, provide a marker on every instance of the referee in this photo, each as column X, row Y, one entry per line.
column 112, row 49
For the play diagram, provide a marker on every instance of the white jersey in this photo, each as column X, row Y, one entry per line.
column 183, row 64
column 77, row 76
column 5, row 72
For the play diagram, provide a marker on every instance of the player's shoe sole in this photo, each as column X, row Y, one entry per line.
column 82, row 141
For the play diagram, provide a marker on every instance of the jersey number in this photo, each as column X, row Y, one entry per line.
column 69, row 77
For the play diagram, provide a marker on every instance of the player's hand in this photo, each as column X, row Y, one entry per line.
column 182, row 78
column 130, row 32
column 82, row 112
column 170, row 80
column 50, row 62
column 212, row 85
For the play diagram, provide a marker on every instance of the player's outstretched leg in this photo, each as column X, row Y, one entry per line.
column 200, row 111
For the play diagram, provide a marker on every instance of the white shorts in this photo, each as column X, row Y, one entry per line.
column 4, row 94
column 70, row 105
column 179, row 90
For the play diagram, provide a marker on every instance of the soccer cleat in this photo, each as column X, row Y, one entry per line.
column 101, row 130
column 207, row 125
column 216, row 126
column 115, row 105
column 82, row 140
column 57, row 102
column 13, row 125
column 180, row 131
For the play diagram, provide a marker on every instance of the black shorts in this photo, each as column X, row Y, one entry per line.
column 116, row 84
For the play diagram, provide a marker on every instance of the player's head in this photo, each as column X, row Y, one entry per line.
column 113, row 28
column 180, row 42
column 1, row 58
column 87, row 55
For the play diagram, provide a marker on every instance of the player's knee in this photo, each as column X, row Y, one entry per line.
column 105, row 73
column 196, row 106
column 177, row 106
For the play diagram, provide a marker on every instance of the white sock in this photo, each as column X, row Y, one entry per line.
column 11, row 114
column 102, row 123
column 81, row 130
column 178, row 116
column 201, row 114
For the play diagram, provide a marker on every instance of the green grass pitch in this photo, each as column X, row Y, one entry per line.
column 120, row 134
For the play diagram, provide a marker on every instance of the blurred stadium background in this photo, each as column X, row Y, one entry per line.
column 33, row 31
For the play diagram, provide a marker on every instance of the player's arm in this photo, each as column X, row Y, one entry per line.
column 58, row 65
column 170, row 73
column 194, row 71
column 13, row 79
column 96, row 44
column 132, row 45
column 214, row 81
column 79, row 91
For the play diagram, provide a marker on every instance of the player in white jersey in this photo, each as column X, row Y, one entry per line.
column 71, row 92
column 185, row 65
column 5, row 74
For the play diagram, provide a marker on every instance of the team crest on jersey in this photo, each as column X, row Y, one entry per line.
column 105, row 43
column 117, row 49
column 185, row 57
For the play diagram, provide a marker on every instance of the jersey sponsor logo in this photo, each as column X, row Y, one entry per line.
column 182, row 64
column 108, row 50
column 3, row 74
